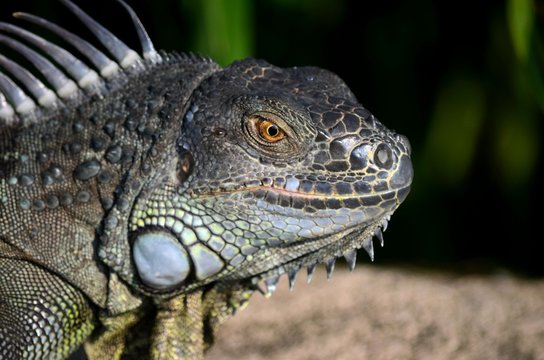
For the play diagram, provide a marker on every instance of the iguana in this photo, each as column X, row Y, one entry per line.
column 145, row 196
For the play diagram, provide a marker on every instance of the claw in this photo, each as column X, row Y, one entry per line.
column 351, row 259
column 369, row 248
column 329, row 265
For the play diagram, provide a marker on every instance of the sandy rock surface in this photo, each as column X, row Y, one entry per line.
column 390, row 313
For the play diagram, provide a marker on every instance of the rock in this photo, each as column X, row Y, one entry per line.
column 390, row 313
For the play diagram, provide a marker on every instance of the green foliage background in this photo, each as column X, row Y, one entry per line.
column 463, row 80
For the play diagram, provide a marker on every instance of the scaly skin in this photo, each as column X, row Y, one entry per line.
column 142, row 211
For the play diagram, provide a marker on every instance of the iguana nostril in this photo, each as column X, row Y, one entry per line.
column 383, row 156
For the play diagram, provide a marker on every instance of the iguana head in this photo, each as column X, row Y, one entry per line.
column 278, row 169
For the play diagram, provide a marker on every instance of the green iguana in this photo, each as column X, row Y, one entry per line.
column 145, row 196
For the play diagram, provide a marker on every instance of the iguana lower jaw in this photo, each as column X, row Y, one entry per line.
column 344, row 244
column 290, row 257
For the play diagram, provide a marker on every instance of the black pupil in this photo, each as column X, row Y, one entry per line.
column 273, row 130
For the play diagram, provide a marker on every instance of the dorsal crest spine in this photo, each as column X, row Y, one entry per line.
column 23, row 96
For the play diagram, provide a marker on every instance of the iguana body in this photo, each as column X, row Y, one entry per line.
column 141, row 207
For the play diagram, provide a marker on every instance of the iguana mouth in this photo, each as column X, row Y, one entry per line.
column 315, row 193
column 313, row 201
column 294, row 193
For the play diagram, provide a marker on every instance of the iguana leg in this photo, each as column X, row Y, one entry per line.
column 185, row 325
column 221, row 305
column 181, row 327
column 41, row 315
column 178, row 331
column 117, row 337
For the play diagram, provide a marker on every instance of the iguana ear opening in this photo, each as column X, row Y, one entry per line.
column 185, row 166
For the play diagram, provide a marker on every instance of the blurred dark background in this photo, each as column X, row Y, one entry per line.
column 463, row 80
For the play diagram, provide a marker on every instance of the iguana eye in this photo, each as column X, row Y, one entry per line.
column 270, row 131
column 265, row 128
column 271, row 135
